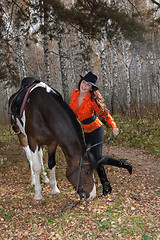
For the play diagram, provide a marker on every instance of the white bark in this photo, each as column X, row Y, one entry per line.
column 104, row 71
column 127, row 62
column 115, row 76
column 139, row 80
column 63, row 68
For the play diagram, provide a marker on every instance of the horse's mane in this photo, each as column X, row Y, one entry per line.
column 72, row 116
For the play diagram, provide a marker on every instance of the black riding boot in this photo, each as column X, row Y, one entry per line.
column 103, row 178
column 117, row 163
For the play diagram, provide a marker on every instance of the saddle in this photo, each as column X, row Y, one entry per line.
column 19, row 99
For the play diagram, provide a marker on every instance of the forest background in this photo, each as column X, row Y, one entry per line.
column 56, row 41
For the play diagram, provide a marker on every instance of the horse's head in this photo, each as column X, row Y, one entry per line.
column 81, row 177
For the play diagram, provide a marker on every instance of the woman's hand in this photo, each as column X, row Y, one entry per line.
column 115, row 131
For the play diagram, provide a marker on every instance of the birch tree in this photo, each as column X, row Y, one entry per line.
column 104, row 69
column 81, row 24
column 139, row 80
column 127, row 62
column 45, row 38
column 63, row 67
column 114, row 84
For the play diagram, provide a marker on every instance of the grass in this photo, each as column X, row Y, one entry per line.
column 142, row 133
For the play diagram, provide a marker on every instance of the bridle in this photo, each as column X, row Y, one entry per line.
column 80, row 166
column 79, row 174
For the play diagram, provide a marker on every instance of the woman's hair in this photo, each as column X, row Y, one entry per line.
column 97, row 97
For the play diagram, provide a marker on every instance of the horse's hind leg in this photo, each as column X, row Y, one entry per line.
column 37, row 170
column 44, row 177
column 29, row 157
column 51, row 165
column 24, row 143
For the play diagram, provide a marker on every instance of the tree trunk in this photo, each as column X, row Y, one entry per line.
column 114, row 66
column 104, row 71
column 127, row 62
column 64, row 79
column 139, row 81
column 46, row 59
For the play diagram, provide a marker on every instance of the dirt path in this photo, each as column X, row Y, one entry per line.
column 145, row 180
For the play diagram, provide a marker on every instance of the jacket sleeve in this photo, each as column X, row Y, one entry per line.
column 107, row 117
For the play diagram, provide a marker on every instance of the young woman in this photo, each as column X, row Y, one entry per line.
column 85, row 101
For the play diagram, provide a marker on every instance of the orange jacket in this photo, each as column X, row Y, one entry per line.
column 86, row 110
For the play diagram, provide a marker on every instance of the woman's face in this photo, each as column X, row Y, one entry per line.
column 85, row 87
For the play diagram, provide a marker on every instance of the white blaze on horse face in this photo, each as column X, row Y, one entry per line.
column 53, row 181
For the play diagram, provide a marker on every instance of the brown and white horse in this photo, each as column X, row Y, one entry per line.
column 47, row 120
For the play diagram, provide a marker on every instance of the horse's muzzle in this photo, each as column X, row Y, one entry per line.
column 83, row 195
column 88, row 196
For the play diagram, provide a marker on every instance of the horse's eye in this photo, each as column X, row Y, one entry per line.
column 88, row 172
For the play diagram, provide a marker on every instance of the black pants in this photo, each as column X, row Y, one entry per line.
column 97, row 137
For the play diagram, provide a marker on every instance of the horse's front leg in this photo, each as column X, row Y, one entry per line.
column 37, row 172
column 53, row 182
column 51, row 165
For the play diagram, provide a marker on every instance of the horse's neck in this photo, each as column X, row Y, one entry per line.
column 72, row 154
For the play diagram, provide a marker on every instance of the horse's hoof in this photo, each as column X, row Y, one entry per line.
column 38, row 197
column 55, row 191
column 32, row 183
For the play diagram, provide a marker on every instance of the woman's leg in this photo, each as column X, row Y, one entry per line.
column 117, row 163
column 94, row 138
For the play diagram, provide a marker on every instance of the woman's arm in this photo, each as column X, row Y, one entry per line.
column 108, row 118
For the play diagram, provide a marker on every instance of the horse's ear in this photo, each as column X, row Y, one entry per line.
column 92, row 160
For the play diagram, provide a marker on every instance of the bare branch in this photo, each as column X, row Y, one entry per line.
column 158, row 4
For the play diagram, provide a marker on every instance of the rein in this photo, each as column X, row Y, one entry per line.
column 77, row 168
column 108, row 139
column 78, row 184
column 79, row 174
column 80, row 169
